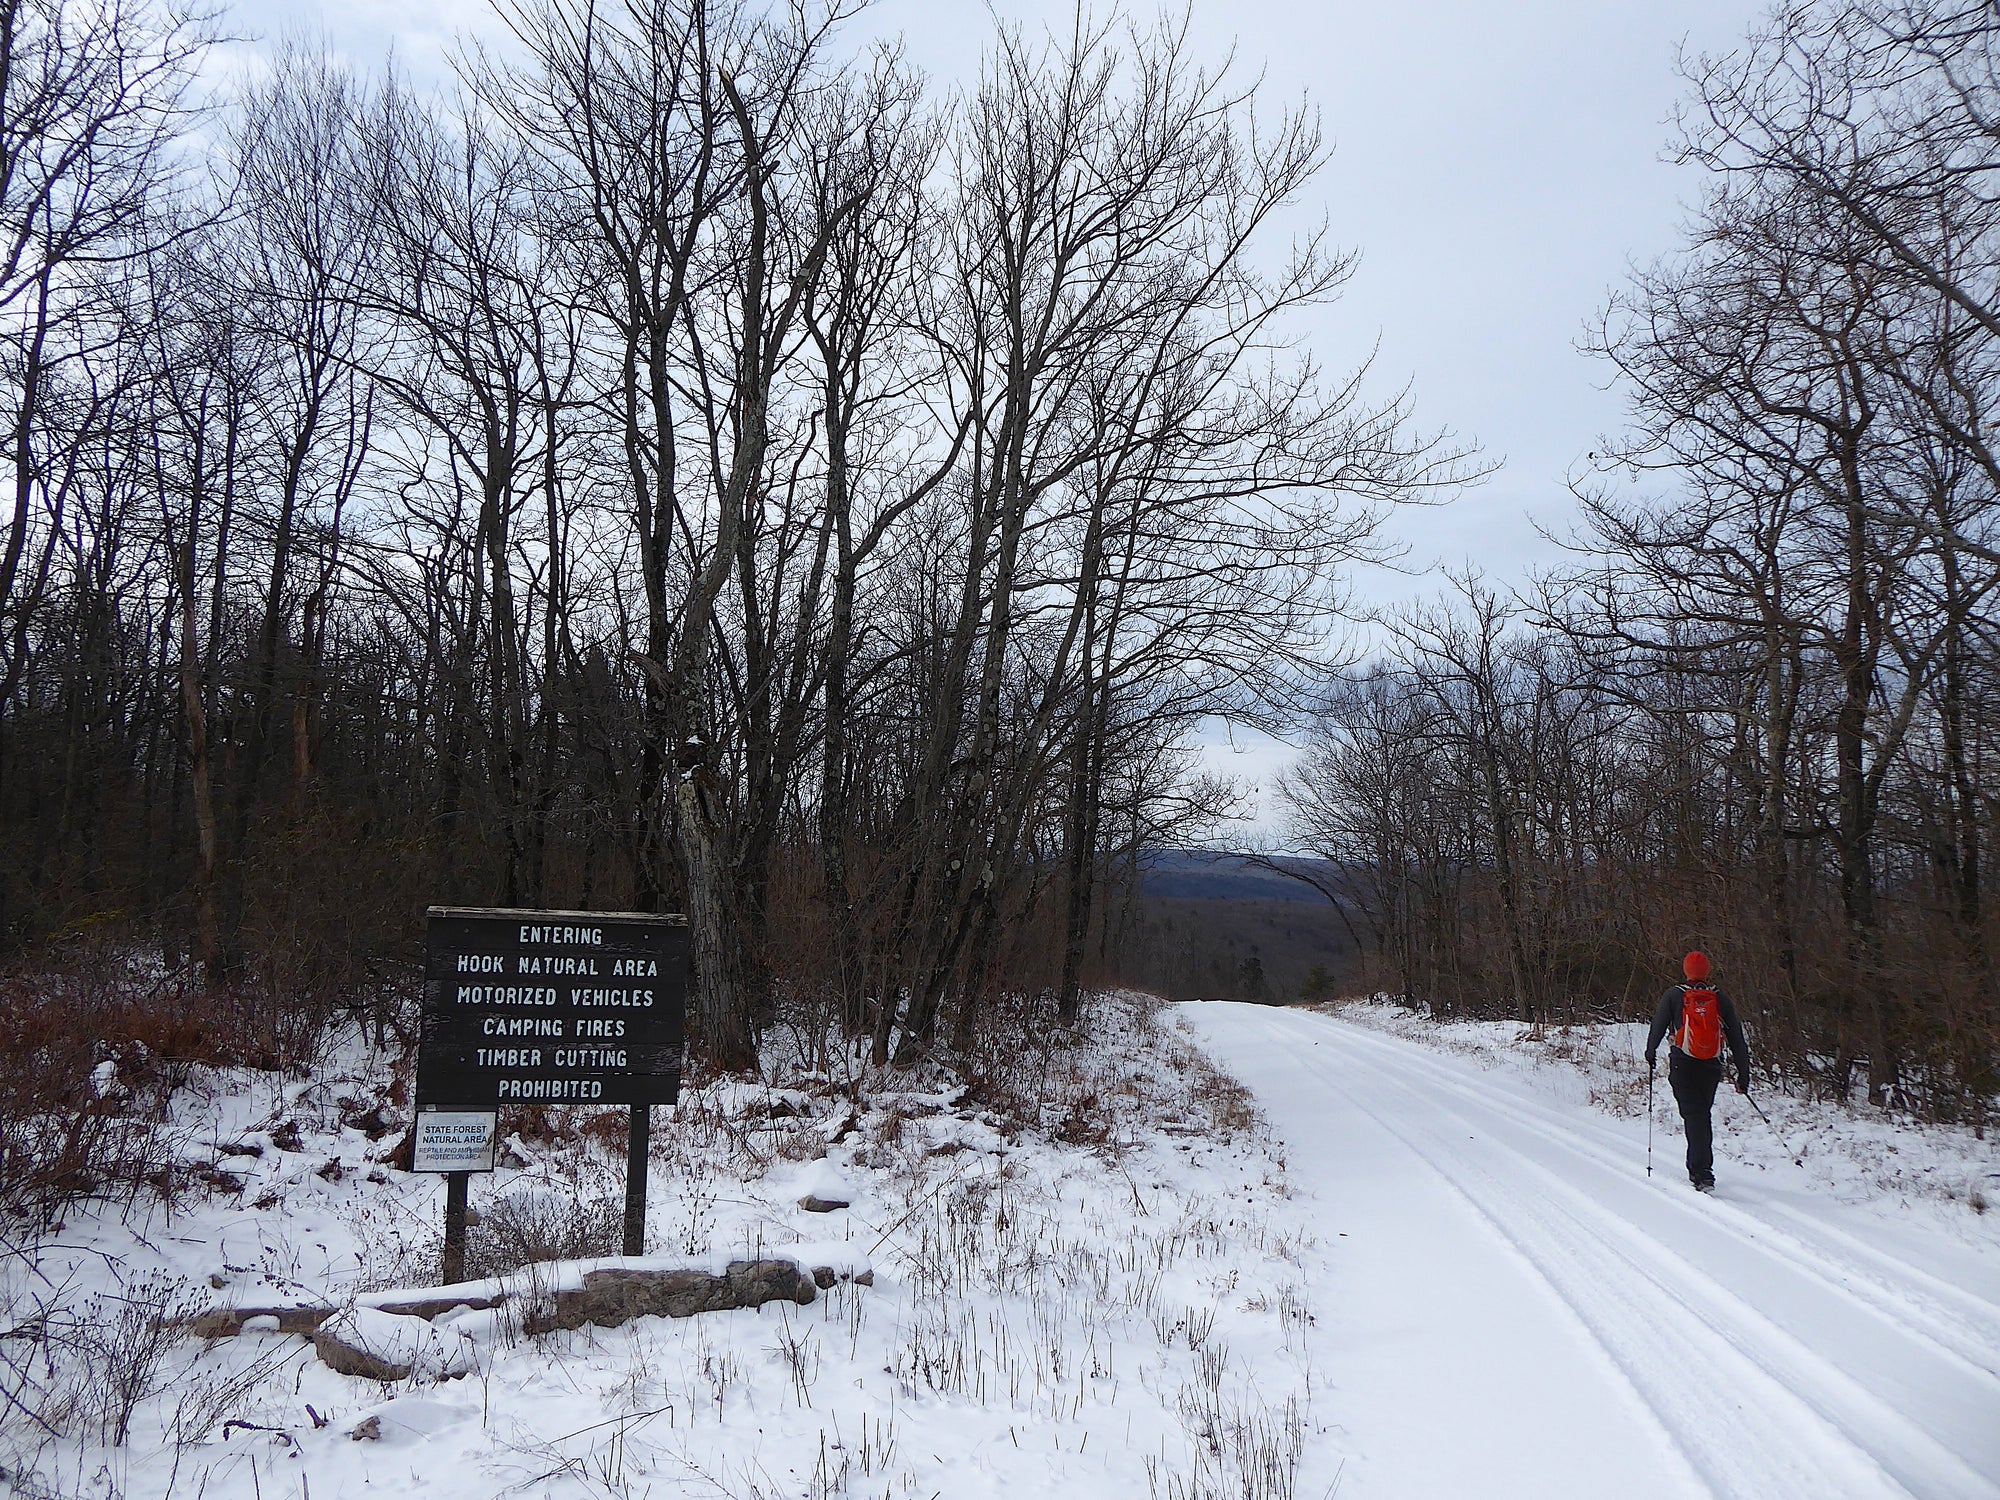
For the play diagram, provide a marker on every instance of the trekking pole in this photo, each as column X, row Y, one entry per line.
column 1649, row 1119
column 1798, row 1158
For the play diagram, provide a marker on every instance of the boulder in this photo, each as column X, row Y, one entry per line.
column 822, row 1188
column 421, row 1306
column 227, row 1322
column 755, row 1282
column 612, row 1297
column 377, row 1345
column 391, row 1337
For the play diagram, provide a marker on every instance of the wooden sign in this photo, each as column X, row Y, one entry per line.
column 551, row 1007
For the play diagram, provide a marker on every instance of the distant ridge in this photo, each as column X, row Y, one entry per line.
column 1204, row 876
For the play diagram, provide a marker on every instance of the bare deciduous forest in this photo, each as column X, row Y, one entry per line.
column 1760, row 713
column 682, row 466
column 689, row 464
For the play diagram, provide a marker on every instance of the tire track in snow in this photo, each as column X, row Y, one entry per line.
column 1901, row 1445
column 1656, row 1351
column 1810, row 1429
column 1982, row 1312
column 1813, row 1240
column 1946, row 1306
column 1953, row 1318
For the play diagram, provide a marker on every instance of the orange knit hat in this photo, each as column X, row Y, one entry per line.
column 1695, row 966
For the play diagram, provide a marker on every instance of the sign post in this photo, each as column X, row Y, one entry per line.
column 457, row 1143
column 544, row 1007
column 638, row 1147
column 452, row 1269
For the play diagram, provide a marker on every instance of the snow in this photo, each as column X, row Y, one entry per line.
column 1528, row 1313
column 1412, row 1261
column 411, row 1421
column 821, row 1179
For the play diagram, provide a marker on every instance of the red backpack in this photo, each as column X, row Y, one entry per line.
column 1700, row 1033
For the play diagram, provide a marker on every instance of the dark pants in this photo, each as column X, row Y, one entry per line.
column 1694, row 1081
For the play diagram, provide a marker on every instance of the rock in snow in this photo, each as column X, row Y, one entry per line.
column 383, row 1346
column 609, row 1298
column 822, row 1189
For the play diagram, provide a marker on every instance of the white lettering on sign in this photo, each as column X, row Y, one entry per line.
column 582, row 936
column 508, row 1057
column 480, row 963
column 637, row 998
column 520, row 1026
column 635, row 968
column 455, row 1140
column 590, row 1057
column 544, row 1090
column 505, row 994
column 600, row 1026
column 530, row 963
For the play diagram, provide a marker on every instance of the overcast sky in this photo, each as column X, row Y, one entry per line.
column 1497, row 164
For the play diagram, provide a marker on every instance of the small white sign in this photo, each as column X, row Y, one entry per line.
column 456, row 1140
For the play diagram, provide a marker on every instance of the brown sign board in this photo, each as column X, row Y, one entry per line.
column 551, row 1007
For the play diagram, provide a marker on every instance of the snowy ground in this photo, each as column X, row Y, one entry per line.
column 1435, row 1267
column 1516, row 1308
column 1106, row 1295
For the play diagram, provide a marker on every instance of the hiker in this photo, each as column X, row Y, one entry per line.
column 1699, row 1015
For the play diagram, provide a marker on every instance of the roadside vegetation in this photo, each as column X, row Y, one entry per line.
column 1086, row 1263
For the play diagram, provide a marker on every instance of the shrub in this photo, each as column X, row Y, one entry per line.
column 91, row 1050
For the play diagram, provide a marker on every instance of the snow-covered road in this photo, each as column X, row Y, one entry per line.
column 1511, row 1307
